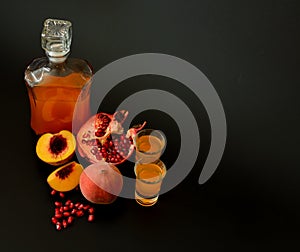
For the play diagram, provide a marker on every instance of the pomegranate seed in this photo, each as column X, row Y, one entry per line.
column 66, row 214
column 65, row 224
column 58, row 216
column 70, row 220
column 79, row 213
column 71, row 205
column 57, row 210
column 68, row 202
column 65, row 208
column 58, row 204
column 94, row 151
column 98, row 134
column 54, row 220
column 86, row 207
column 58, row 226
column 92, row 210
column 91, row 218
column 73, row 211
column 77, row 204
column 80, row 206
column 53, row 192
column 62, row 195
column 61, row 209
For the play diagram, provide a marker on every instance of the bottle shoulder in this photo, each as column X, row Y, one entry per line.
column 72, row 72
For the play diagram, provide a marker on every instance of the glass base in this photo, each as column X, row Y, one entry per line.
column 145, row 201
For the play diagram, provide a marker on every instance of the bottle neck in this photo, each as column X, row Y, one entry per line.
column 57, row 57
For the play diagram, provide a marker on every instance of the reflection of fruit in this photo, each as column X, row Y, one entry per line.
column 101, row 183
column 56, row 149
column 102, row 137
column 65, row 178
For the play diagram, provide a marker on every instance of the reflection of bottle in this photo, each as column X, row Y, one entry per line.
column 55, row 82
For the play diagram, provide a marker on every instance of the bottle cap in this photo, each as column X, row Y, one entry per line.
column 56, row 37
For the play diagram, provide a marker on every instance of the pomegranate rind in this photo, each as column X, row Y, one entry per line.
column 44, row 153
column 69, row 182
column 101, row 183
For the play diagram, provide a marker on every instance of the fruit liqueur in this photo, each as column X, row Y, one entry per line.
column 57, row 84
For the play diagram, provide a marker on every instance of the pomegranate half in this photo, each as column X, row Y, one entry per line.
column 102, row 138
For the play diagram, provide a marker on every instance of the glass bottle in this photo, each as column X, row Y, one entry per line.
column 55, row 82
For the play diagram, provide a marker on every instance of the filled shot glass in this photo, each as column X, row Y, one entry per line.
column 149, row 178
column 149, row 144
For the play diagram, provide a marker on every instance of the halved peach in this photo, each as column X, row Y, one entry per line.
column 56, row 149
column 65, row 178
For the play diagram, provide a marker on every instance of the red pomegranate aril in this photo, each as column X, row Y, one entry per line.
column 70, row 219
column 77, row 204
column 57, row 204
column 64, row 223
column 73, row 211
column 58, row 216
column 66, row 208
column 58, row 226
column 53, row 192
column 68, row 202
column 80, row 206
column 79, row 213
column 91, row 218
column 54, row 220
column 71, row 205
column 86, row 207
column 61, row 209
column 62, row 195
column 91, row 210
column 66, row 214
column 94, row 150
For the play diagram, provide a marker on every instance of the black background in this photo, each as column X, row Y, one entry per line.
column 249, row 50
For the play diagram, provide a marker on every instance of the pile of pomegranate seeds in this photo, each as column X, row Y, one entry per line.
column 66, row 212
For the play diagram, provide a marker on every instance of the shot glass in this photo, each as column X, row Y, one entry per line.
column 149, row 144
column 149, row 177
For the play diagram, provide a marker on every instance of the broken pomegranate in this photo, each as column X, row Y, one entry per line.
column 102, row 137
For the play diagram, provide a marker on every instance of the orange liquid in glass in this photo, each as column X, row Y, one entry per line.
column 148, row 182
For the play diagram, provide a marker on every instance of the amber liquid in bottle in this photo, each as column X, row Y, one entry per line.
column 53, row 102
column 57, row 84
